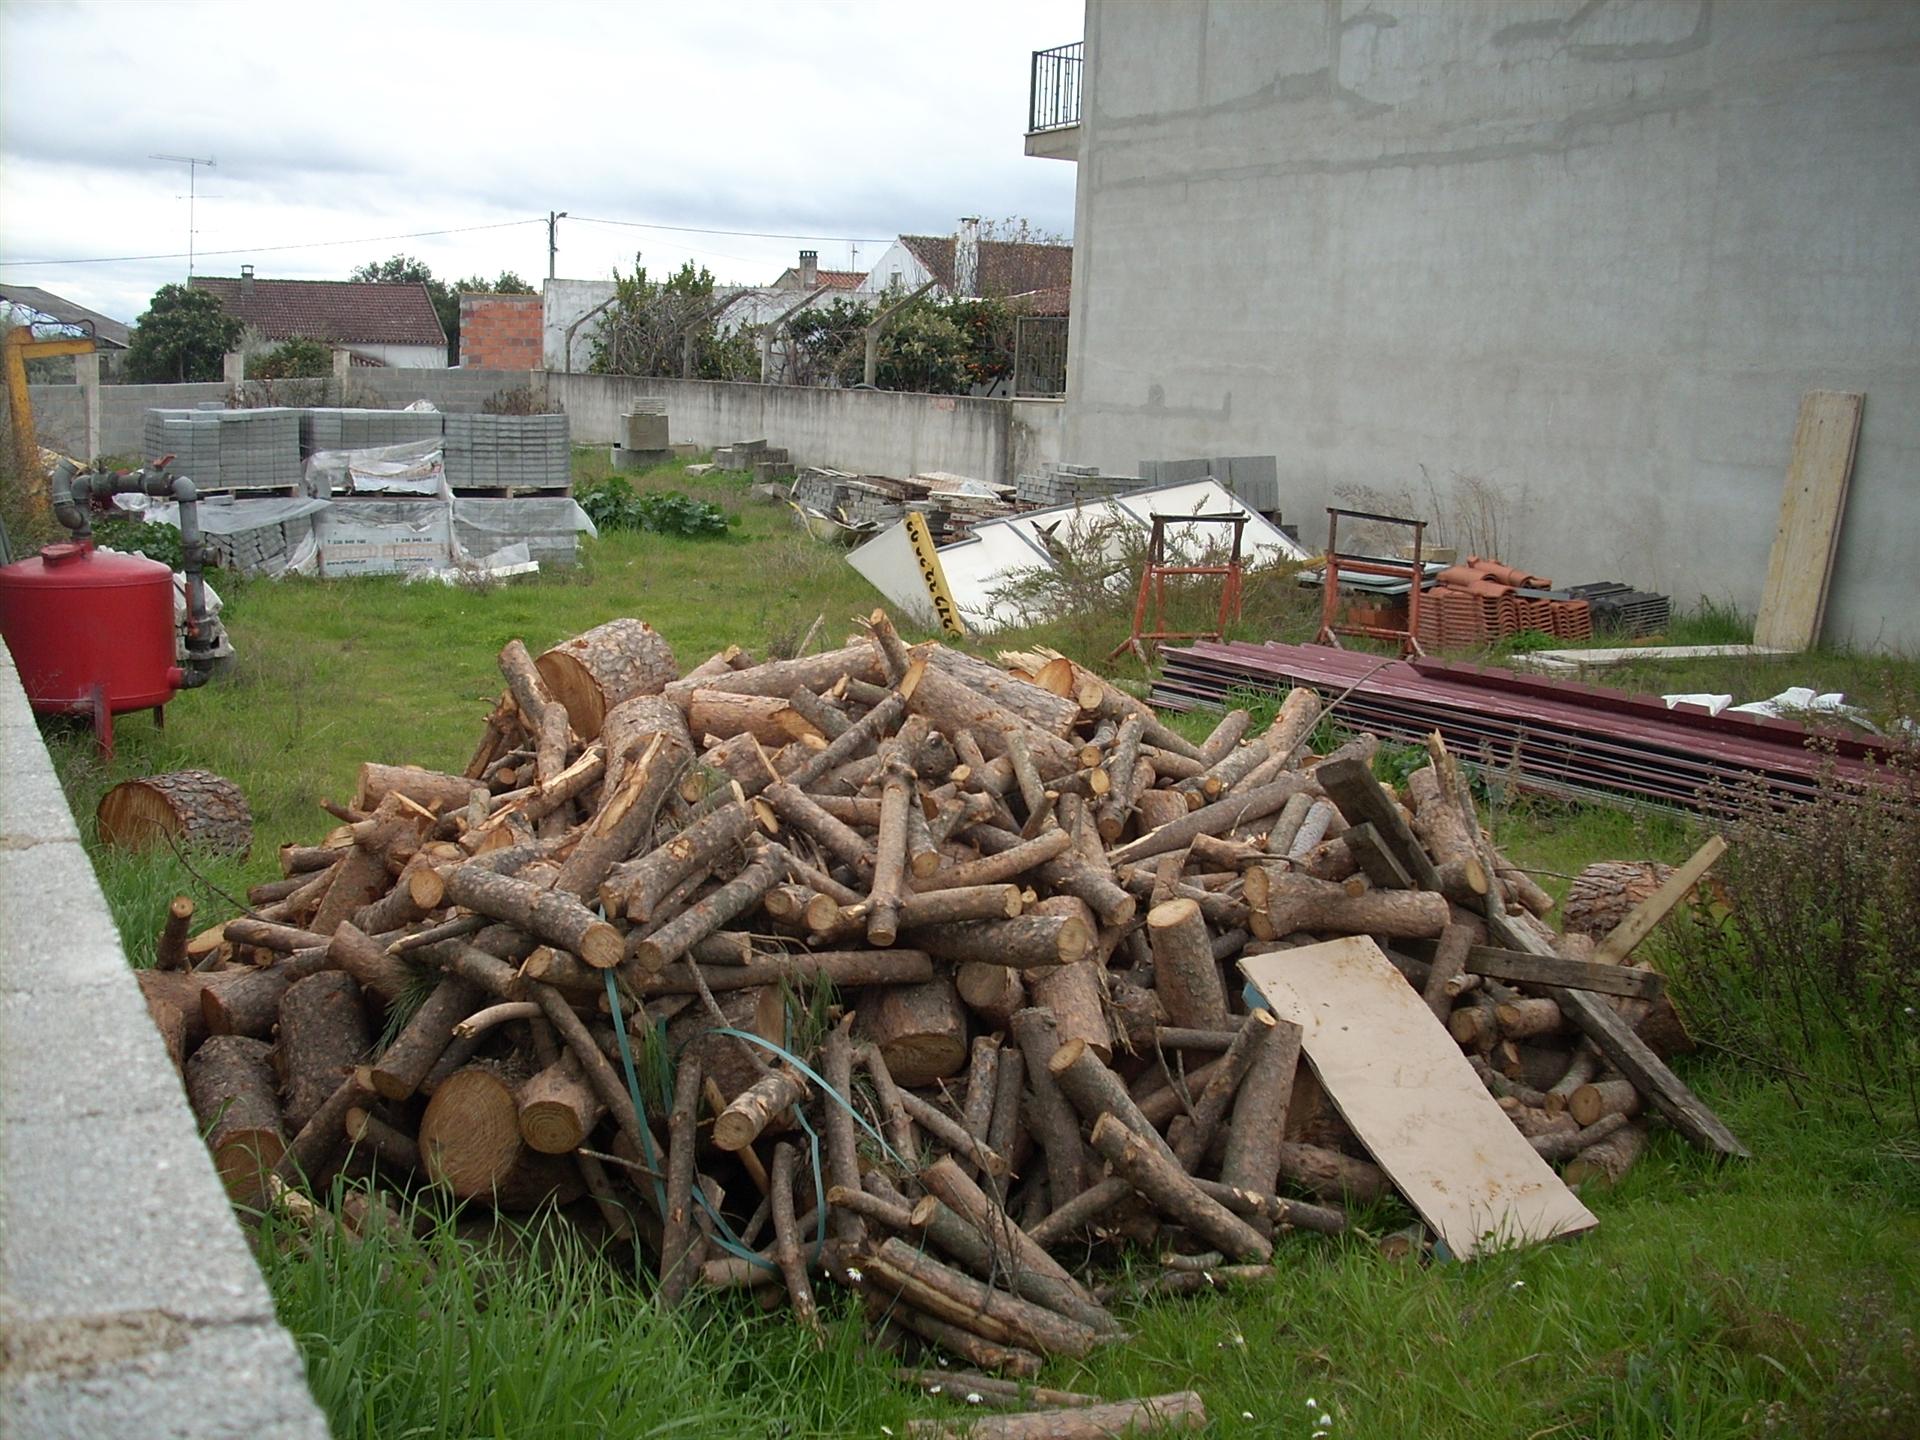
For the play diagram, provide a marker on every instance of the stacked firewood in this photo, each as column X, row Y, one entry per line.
column 885, row 965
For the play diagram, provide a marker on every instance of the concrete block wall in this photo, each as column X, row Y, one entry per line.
column 880, row 432
column 500, row 332
column 130, row 1304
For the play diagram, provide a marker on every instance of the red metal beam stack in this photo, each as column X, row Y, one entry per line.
column 1543, row 734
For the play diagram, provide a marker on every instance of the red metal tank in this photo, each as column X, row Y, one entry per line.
column 91, row 633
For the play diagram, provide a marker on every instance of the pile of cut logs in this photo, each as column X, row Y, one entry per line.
column 921, row 980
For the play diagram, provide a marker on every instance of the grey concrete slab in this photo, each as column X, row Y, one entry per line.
column 130, row 1304
column 107, row 1211
column 57, row 934
column 155, row 1378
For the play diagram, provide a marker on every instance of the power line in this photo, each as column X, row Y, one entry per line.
column 267, row 249
column 751, row 234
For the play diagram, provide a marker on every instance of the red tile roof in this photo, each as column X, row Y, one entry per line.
column 342, row 311
column 832, row 279
column 1006, row 267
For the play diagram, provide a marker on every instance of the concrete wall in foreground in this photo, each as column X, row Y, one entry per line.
column 1584, row 256
column 130, row 1305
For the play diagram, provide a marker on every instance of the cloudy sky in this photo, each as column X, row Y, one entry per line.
column 847, row 120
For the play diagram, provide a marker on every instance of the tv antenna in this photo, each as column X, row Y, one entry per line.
column 193, row 164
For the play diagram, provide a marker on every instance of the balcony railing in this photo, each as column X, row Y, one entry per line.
column 1054, row 96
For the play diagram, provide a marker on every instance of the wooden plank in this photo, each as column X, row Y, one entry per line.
column 1399, row 1080
column 1375, row 859
column 1601, row 1023
column 1800, row 567
column 1524, row 968
column 1363, row 800
column 1644, row 917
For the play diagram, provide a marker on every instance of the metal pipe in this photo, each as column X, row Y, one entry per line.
column 73, row 491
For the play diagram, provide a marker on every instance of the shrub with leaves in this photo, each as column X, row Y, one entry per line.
column 296, row 359
column 613, row 504
column 1810, row 964
column 138, row 537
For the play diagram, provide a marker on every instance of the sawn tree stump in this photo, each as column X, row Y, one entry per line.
column 592, row 673
column 195, row 807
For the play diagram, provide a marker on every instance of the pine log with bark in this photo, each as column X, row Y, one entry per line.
column 191, row 807
column 231, row 1084
column 594, row 672
column 323, row 1034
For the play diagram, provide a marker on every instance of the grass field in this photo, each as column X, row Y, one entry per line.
column 1775, row 1297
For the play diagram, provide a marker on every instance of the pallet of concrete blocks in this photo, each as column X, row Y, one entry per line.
column 342, row 428
column 1057, row 484
column 819, row 487
column 508, row 452
column 229, row 450
column 1013, row 900
column 747, row 454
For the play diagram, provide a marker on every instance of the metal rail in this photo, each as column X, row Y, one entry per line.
column 1053, row 94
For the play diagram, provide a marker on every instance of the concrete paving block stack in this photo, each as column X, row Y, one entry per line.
column 231, row 450
column 335, row 428
column 508, row 452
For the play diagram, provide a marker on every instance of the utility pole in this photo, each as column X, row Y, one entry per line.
column 193, row 164
column 554, row 217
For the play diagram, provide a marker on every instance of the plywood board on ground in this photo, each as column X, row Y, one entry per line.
column 1401, row 1083
column 1800, row 567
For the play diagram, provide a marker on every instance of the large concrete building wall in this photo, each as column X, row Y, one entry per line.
column 1578, row 261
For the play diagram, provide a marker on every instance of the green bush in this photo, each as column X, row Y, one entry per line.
column 1809, row 963
column 295, row 359
column 613, row 504
column 138, row 537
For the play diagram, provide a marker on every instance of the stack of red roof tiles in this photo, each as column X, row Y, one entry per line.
column 1475, row 604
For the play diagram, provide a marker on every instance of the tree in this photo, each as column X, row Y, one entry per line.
column 184, row 336
column 646, row 326
column 507, row 282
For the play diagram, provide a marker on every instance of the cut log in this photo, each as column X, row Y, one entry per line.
column 559, row 1107
column 993, row 992
column 1609, row 1159
column 191, row 807
column 681, row 1242
column 629, row 730
column 1282, row 903
column 1605, row 1097
column 1051, row 1116
column 636, row 887
column 1607, row 891
column 946, row 1293
column 1193, row 1133
column 557, row 920
column 786, row 1241
column 171, row 951
column 400, row 1068
column 1075, row 996
column 1172, row 1192
column 593, row 672
column 755, row 1108
column 768, row 719
column 920, row 1030
column 230, row 1082
column 379, row 973
column 323, row 1035
column 430, row 789
column 1027, row 942
column 784, row 678
column 1185, row 974
column 1095, row 1091
column 470, row 1133
column 1215, row 819
column 647, row 955
column 845, row 969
